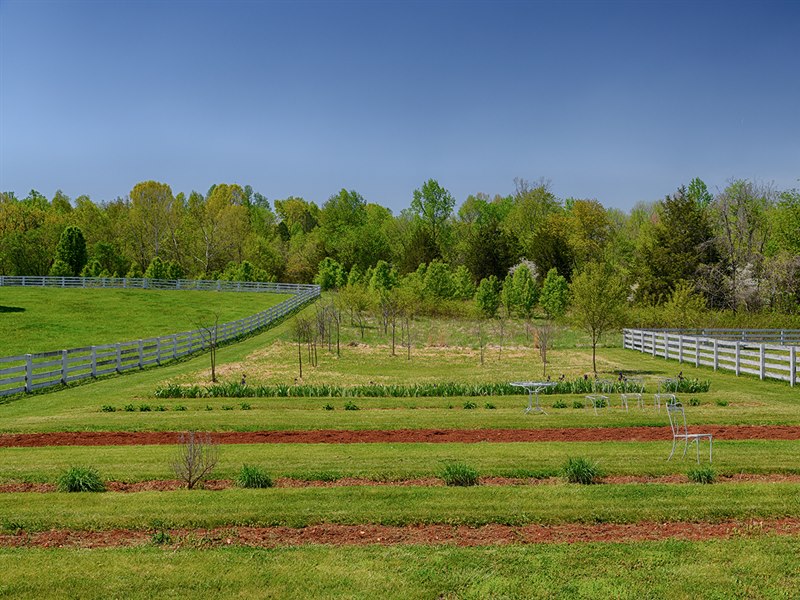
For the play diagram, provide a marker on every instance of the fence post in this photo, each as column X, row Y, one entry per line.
column 716, row 355
column 94, row 361
column 28, row 372
column 119, row 359
column 697, row 351
column 653, row 334
column 762, row 366
column 174, row 346
column 64, row 366
column 792, row 365
column 158, row 351
column 141, row 352
column 738, row 353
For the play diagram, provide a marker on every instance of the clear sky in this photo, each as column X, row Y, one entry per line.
column 618, row 101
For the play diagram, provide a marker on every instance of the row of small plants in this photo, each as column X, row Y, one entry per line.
column 417, row 390
column 176, row 408
column 578, row 470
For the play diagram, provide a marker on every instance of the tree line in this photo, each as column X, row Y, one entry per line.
column 738, row 249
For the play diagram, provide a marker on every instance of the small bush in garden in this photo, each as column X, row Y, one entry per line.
column 245, row 406
column 350, row 405
column 577, row 404
column 161, row 537
column 581, row 470
column 722, row 403
column 328, row 406
column 460, row 474
column 559, row 404
column 490, row 406
column 108, row 408
column 179, row 407
column 144, row 408
column 160, row 408
column 450, row 406
column 209, row 407
column 694, row 401
column 130, row 408
column 227, row 407
column 253, row 477
column 81, row 479
column 704, row 474
column 469, row 405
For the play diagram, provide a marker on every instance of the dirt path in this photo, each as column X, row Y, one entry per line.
column 363, row 535
column 334, row 436
column 166, row 485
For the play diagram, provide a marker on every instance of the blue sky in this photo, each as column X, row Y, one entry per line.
column 618, row 101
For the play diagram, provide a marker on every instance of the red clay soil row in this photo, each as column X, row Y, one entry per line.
column 364, row 535
column 166, row 485
column 334, row 436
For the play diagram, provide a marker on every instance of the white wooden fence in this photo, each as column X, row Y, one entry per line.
column 731, row 353
column 29, row 372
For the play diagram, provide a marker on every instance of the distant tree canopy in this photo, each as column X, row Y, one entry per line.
column 737, row 249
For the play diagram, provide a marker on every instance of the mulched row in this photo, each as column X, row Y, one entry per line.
column 382, row 535
column 335, row 436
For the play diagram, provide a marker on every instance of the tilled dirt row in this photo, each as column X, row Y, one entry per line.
column 334, row 436
column 166, row 485
column 364, row 535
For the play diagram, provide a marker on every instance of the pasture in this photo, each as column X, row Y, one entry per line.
column 355, row 520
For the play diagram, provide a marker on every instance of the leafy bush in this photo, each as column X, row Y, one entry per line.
column 245, row 406
column 578, row 404
column 130, row 408
column 559, row 404
column 161, row 537
column 253, row 477
column 722, row 403
column 160, row 408
column 581, row 470
column 460, row 474
column 144, row 408
column 686, row 386
column 180, row 407
column 350, row 405
column 81, row 479
column 227, row 407
column 209, row 407
column 107, row 408
column 490, row 406
column 704, row 474
column 694, row 401
column 469, row 405
column 328, row 406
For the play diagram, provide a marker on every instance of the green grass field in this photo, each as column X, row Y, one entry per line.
column 43, row 319
column 755, row 565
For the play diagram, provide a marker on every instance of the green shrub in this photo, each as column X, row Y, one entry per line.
column 209, row 407
column 559, row 404
column 461, row 474
column 490, row 406
column 144, row 408
column 704, row 474
column 253, row 477
column 694, row 401
column 350, row 405
column 161, row 537
column 227, row 407
column 328, row 406
column 81, row 479
column 107, row 408
column 160, row 408
column 469, row 405
column 180, row 407
column 245, row 406
column 577, row 404
column 129, row 408
column 686, row 386
column 722, row 403
column 581, row 470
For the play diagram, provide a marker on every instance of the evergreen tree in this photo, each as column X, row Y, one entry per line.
column 71, row 249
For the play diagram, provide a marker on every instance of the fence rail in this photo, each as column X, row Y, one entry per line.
column 29, row 372
column 766, row 360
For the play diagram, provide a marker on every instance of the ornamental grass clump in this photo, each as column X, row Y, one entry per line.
column 705, row 475
column 581, row 470
column 459, row 474
column 81, row 479
column 252, row 476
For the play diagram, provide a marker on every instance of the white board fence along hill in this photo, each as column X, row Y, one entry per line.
column 766, row 353
column 29, row 372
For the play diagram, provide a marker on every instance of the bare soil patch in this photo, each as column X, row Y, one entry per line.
column 335, row 436
column 166, row 485
column 365, row 535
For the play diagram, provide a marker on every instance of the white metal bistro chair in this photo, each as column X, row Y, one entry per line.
column 633, row 389
column 677, row 422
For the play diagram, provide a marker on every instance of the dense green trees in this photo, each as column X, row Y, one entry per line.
column 736, row 249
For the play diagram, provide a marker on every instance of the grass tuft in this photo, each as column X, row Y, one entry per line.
column 459, row 474
column 581, row 470
column 705, row 475
column 252, row 476
column 81, row 479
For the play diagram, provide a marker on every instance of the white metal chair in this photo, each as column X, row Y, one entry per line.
column 669, row 399
column 677, row 422
column 633, row 390
column 598, row 401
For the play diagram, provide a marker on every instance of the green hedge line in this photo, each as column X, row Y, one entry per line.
column 418, row 390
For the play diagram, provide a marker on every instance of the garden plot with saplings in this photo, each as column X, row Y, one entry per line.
column 408, row 470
